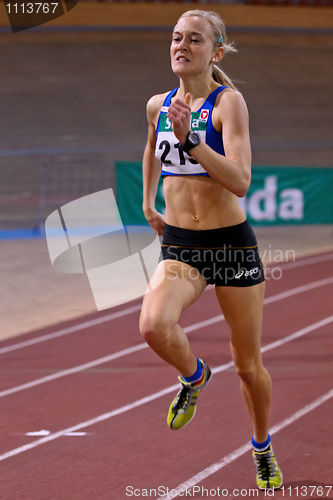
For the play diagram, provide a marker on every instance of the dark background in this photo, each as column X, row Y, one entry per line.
column 74, row 103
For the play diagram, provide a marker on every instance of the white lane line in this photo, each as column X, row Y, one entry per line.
column 306, row 261
column 45, row 432
column 298, row 289
column 296, row 335
column 88, row 423
column 71, row 329
column 139, row 347
column 284, row 340
column 130, row 310
column 231, row 457
column 152, row 397
column 71, row 371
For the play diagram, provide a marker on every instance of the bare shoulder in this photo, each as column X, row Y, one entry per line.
column 232, row 103
column 154, row 107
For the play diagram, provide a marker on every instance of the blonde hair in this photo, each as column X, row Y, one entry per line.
column 219, row 40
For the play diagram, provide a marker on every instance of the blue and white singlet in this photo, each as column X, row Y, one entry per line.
column 168, row 149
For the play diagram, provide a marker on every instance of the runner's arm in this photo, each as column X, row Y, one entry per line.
column 151, row 168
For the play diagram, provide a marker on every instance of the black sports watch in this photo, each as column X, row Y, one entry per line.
column 192, row 140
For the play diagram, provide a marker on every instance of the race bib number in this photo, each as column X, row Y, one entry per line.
column 170, row 151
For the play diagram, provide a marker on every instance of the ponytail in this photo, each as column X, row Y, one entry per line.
column 222, row 78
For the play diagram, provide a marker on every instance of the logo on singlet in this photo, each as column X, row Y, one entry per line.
column 204, row 115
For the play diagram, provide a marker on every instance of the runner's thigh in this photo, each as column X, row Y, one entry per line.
column 242, row 309
column 173, row 287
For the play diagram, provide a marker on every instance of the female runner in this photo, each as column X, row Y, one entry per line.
column 199, row 132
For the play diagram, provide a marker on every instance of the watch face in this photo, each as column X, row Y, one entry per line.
column 194, row 138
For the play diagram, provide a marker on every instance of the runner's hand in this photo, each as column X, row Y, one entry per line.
column 155, row 219
column 180, row 114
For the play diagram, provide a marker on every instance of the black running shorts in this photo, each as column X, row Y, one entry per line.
column 227, row 256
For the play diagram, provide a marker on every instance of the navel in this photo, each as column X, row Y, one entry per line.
column 195, row 218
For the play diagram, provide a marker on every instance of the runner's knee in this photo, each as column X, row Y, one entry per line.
column 155, row 328
column 248, row 370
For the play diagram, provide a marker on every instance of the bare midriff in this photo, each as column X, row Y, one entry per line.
column 198, row 202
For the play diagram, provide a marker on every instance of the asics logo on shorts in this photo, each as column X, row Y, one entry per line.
column 244, row 272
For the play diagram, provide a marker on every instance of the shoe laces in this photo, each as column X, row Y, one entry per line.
column 264, row 465
column 184, row 397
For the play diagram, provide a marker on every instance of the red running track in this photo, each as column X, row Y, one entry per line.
column 95, row 376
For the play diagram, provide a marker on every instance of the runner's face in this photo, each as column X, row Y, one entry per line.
column 192, row 48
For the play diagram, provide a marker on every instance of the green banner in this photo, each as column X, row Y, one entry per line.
column 277, row 196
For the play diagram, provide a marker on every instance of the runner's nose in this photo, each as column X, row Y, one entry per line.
column 183, row 44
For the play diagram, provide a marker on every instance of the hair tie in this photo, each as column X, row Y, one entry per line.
column 220, row 39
